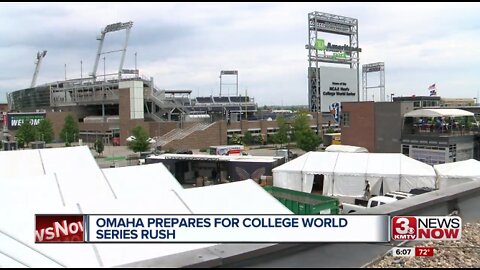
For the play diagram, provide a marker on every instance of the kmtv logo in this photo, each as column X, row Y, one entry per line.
column 426, row 228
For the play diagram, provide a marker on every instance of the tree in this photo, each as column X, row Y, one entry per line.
column 99, row 147
column 248, row 138
column 140, row 143
column 236, row 139
column 304, row 136
column 44, row 130
column 308, row 141
column 70, row 130
column 25, row 134
column 281, row 136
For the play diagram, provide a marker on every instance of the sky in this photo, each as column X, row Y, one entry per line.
column 186, row 45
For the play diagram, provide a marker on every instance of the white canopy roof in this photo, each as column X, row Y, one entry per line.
column 450, row 174
column 68, row 180
column 312, row 166
column 241, row 197
column 21, row 163
column 145, row 180
column 346, row 148
column 351, row 163
column 460, row 169
column 438, row 113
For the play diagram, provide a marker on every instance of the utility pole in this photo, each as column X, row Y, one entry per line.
column 81, row 69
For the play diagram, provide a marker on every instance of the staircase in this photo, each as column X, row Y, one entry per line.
column 179, row 133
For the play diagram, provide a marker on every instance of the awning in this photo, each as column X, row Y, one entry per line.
column 438, row 113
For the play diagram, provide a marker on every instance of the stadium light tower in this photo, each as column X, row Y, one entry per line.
column 229, row 72
column 40, row 56
column 112, row 28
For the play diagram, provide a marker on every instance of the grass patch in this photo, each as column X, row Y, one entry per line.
column 115, row 158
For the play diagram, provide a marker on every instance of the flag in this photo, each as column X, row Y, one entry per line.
column 433, row 89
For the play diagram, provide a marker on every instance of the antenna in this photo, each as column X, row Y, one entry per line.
column 40, row 56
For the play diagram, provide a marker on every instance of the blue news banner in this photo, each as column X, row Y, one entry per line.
column 236, row 228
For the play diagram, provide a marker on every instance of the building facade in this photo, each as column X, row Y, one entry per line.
column 382, row 128
column 438, row 136
column 373, row 125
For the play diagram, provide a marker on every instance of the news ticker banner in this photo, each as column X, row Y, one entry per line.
column 242, row 228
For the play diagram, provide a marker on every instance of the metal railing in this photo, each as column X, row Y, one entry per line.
column 441, row 130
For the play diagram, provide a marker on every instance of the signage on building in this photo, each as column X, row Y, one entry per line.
column 337, row 85
column 335, row 111
column 322, row 46
column 15, row 120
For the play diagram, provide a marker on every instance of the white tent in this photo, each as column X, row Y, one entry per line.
column 41, row 195
column 21, row 163
column 241, row 197
column 346, row 148
column 386, row 176
column 415, row 174
column 132, row 181
column 68, row 181
column 459, row 172
column 291, row 174
column 350, row 174
column 345, row 174
column 312, row 167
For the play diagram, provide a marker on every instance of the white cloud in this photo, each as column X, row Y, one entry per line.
column 185, row 45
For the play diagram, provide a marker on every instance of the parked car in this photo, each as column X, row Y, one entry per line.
column 348, row 208
column 389, row 197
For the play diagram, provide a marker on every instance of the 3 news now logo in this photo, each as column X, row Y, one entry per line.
column 59, row 228
column 426, row 228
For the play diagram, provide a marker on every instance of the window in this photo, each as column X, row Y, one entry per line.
column 416, row 104
column 406, row 149
column 346, row 119
column 373, row 204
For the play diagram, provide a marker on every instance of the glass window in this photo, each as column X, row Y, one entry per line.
column 346, row 119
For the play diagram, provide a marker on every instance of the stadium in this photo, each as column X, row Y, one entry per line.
column 110, row 105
